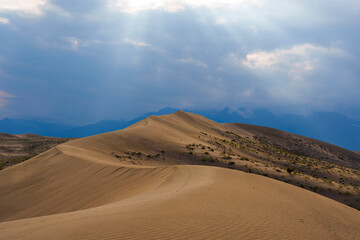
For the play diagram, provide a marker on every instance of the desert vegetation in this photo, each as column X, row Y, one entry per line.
column 144, row 174
column 321, row 172
column 303, row 162
column 15, row 149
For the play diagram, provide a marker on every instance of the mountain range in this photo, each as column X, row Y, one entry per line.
column 330, row 127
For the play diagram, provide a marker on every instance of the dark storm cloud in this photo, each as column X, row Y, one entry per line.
column 88, row 60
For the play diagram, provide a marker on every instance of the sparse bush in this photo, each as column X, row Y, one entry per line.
column 290, row 170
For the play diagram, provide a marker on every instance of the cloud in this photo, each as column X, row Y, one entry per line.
column 304, row 77
column 136, row 43
column 65, row 43
column 296, row 61
column 279, row 55
column 3, row 102
column 294, row 55
column 193, row 61
column 4, row 20
column 3, row 97
column 134, row 6
column 31, row 7
column 220, row 21
column 73, row 43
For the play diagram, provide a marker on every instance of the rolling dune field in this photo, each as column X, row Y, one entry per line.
column 167, row 177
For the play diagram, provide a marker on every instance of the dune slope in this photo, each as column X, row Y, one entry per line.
column 138, row 183
column 15, row 149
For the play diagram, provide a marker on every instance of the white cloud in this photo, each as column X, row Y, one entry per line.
column 136, row 43
column 65, row 43
column 296, row 61
column 193, row 61
column 306, row 76
column 220, row 21
column 4, row 20
column 134, row 6
column 73, row 43
column 293, row 55
column 32, row 7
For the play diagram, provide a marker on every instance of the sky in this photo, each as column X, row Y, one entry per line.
column 87, row 60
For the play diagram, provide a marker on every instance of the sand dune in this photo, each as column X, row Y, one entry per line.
column 139, row 183
column 18, row 148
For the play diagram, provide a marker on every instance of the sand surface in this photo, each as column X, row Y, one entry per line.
column 79, row 190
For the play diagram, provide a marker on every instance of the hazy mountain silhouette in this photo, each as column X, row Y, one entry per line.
column 331, row 127
column 23, row 126
column 109, row 125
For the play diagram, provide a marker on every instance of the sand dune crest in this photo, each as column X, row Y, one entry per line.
column 135, row 184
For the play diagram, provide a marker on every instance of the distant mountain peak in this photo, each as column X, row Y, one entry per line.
column 330, row 127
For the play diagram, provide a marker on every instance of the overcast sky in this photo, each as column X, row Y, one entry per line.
column 86, row 60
